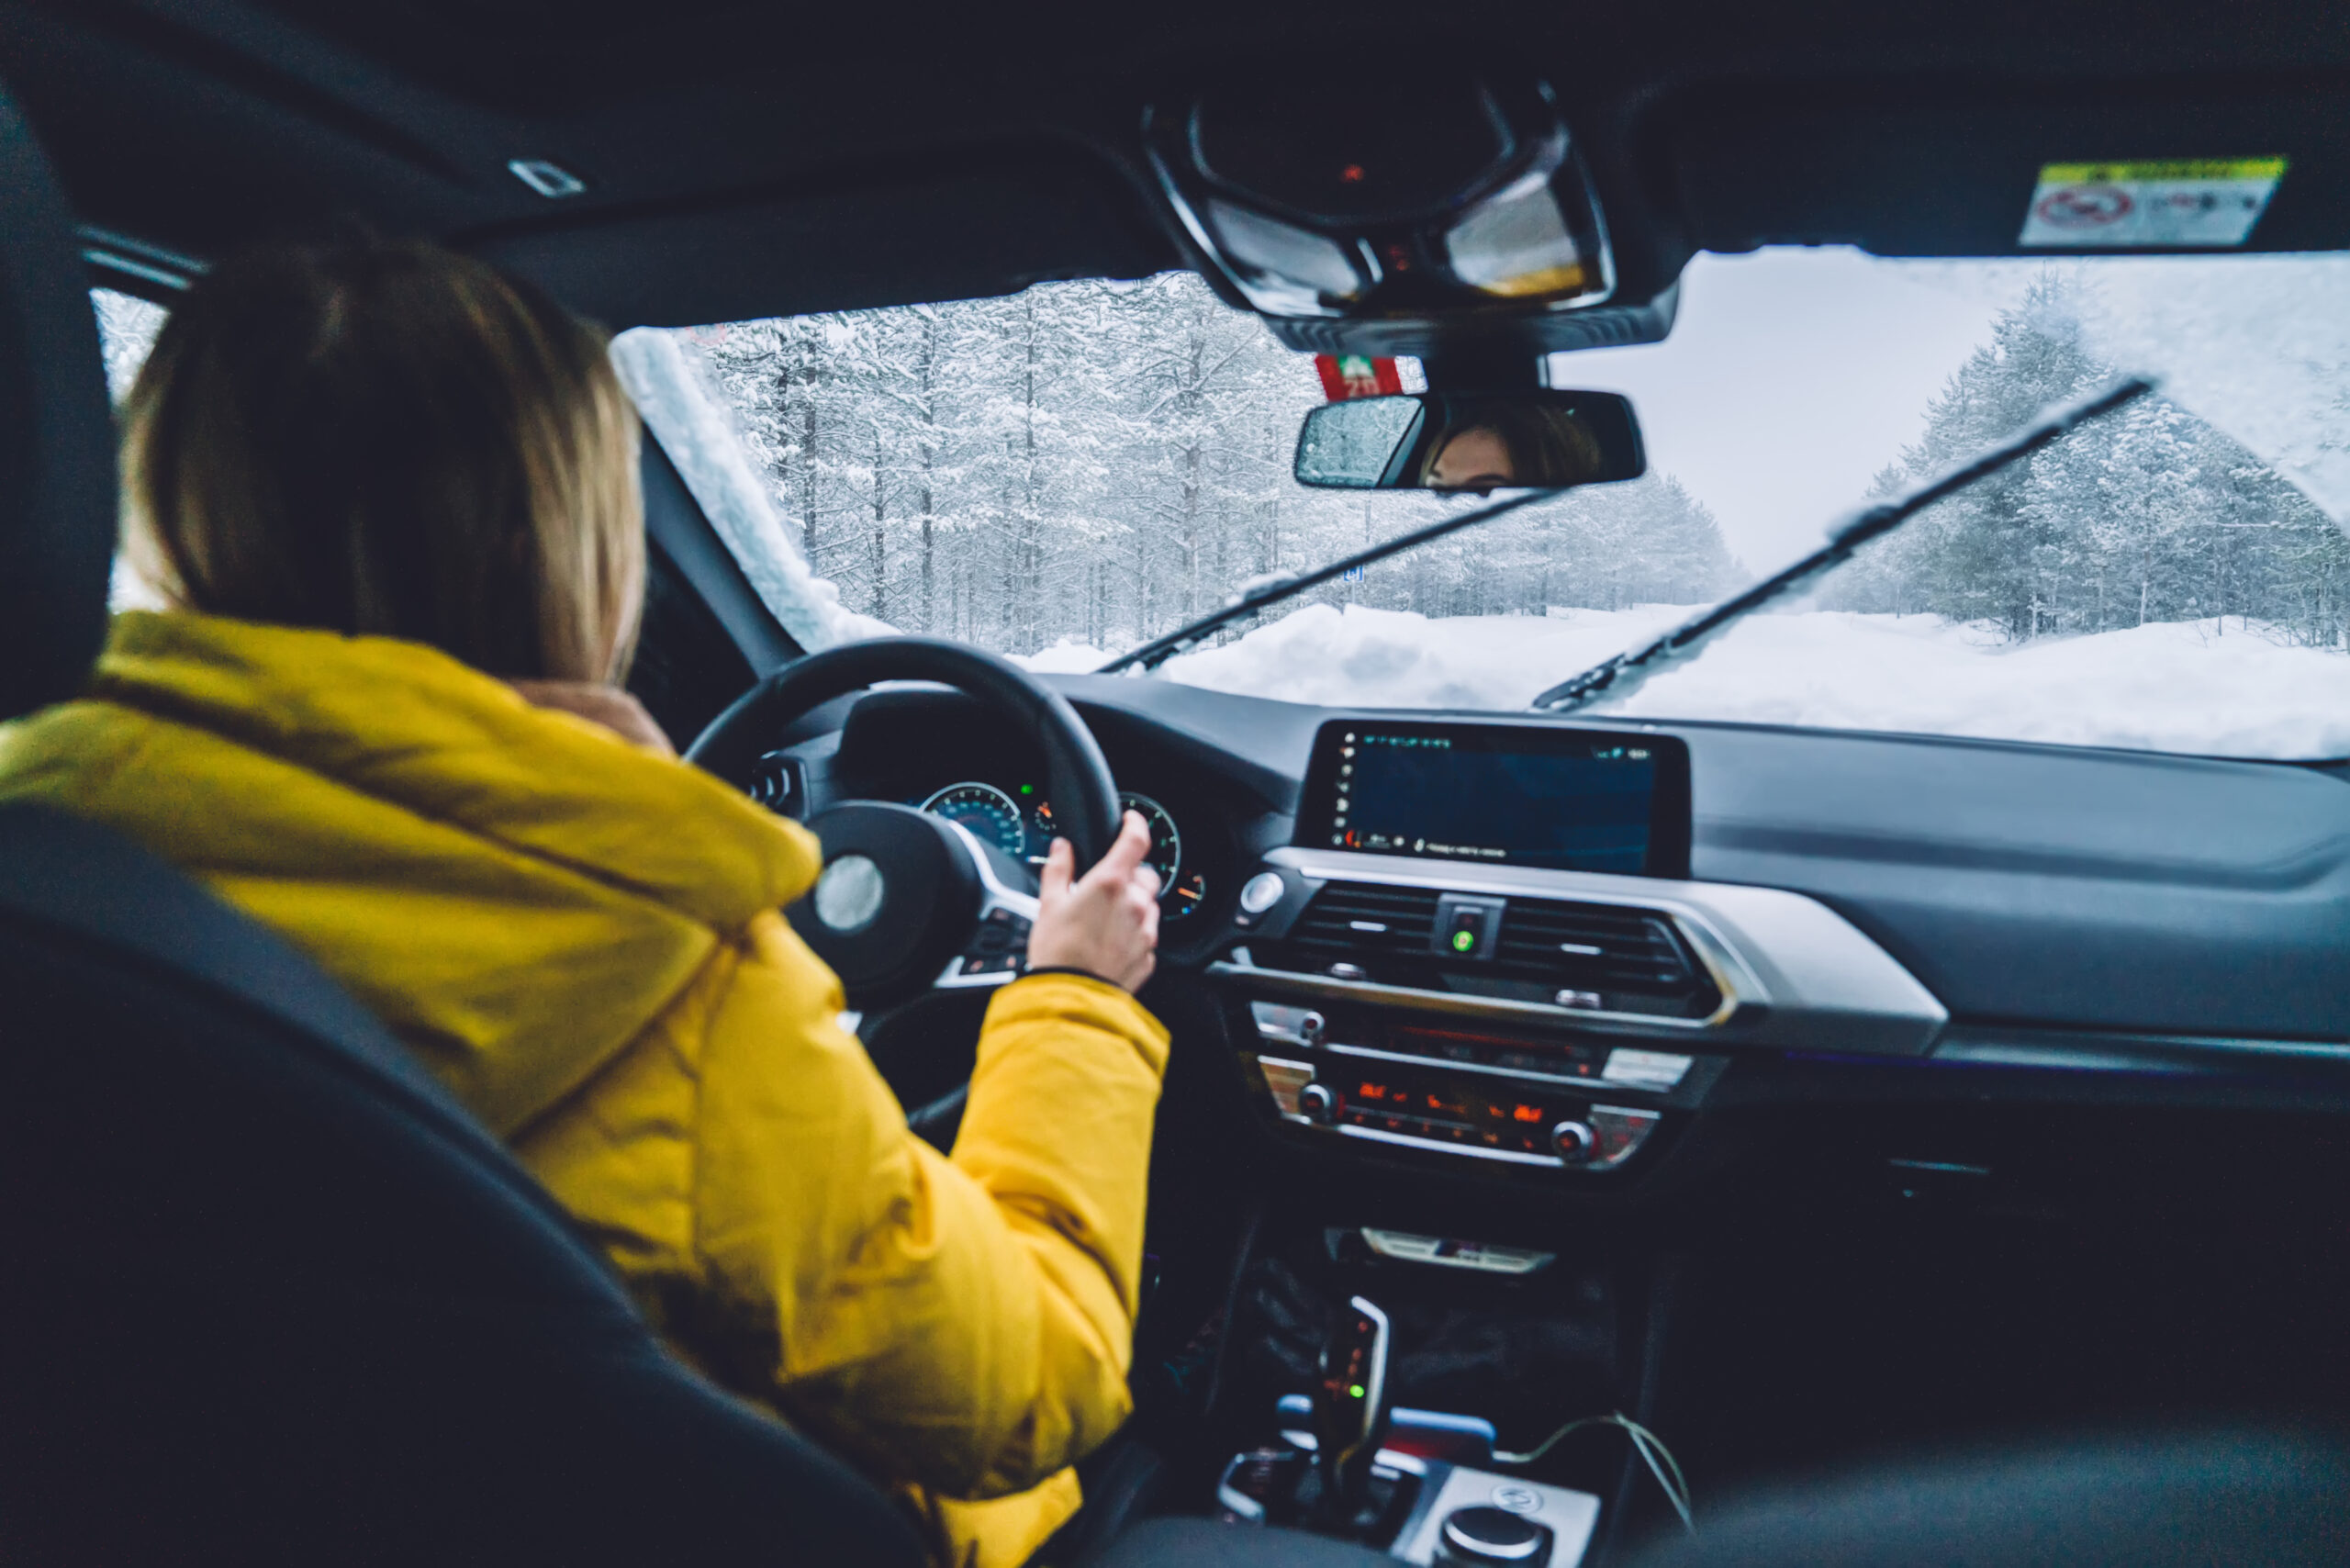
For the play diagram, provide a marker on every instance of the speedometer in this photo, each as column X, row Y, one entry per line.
column 1166, row 856
column 987, row 811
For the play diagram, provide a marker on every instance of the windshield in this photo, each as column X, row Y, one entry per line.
column 1063, row 474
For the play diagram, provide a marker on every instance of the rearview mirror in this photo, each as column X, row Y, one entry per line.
column 1532, row 438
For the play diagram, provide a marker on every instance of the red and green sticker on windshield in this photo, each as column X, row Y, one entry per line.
column 2166, row 204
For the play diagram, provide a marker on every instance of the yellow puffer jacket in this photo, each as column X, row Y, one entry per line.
column 581, row 939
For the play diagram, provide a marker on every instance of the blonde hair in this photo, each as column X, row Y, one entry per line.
column 390, row 439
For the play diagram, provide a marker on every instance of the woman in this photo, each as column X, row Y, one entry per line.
column 392, row 498
column 1490, row 444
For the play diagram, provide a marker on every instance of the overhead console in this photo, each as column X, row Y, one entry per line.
column 1482, row 941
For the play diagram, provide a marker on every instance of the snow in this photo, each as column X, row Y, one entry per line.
column 2204, row 687
column 2259, row 345
column 696, row 429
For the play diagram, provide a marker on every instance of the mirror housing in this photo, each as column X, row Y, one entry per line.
column 1520, row 439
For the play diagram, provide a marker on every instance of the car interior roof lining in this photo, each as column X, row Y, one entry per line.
column 743, row 161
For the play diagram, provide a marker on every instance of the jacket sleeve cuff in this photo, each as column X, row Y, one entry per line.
column 1084, row 1000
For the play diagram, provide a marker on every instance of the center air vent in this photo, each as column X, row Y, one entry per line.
column 1633, row 960
column 1589, row 957
column 1364, row 921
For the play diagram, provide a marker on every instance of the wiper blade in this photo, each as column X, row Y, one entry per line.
column 1624, row 674
column 1258, row 592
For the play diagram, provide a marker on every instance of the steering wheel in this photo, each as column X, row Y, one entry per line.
column 910, row 903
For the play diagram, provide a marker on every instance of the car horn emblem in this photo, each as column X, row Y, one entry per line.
column 848, row 895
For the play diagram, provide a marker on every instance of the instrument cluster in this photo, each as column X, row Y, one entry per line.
column 1018, row 820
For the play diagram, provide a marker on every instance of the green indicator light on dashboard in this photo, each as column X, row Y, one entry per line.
column 1028, row 789
column 1355, row 1391
column 1464, row 940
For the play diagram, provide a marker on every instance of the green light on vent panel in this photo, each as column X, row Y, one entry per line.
column 1464, row 940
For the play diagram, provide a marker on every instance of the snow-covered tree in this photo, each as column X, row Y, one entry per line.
column 2149, row 514
column 1102, row 460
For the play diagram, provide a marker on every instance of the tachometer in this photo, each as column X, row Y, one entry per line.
column 1166, row 856
column 987, row 811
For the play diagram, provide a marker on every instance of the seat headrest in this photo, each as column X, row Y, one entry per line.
column 56, row 459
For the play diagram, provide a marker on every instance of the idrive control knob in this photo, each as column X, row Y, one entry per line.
column 1319, row 1101
column 1480, row 1535
column 1574, row 1142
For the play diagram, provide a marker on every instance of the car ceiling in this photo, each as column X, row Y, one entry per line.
column 745, row 160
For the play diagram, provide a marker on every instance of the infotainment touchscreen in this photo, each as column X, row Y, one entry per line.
column 1532, row 795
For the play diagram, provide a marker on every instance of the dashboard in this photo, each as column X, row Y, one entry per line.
column 1551, row 951
column 2015, row 1077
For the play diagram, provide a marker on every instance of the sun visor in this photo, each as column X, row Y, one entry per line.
column 956, row 228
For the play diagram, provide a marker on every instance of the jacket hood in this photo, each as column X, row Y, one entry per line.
column 517, row 891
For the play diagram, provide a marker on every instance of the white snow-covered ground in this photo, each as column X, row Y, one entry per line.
column 2183, row 686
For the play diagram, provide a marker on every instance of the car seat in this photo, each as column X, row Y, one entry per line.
column 268, row 1295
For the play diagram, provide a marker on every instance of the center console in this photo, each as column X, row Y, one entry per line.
column 1483, row 943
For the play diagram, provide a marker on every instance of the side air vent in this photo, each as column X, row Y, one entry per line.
column 1593, row 957
column 1631, row 960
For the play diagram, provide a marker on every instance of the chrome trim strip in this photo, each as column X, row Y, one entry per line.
column 1408, row 1247
column 1508, row 1156
column 1805, row 979
column 1458, row 1002
column 1444, row 1064
column 106, row 249
column 114, row 261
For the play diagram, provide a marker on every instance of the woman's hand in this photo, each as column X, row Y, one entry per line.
column 1107, row 922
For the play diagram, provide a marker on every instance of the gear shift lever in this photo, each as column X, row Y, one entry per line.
column 1350, row 1407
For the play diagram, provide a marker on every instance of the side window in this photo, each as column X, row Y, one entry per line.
column 127, row 329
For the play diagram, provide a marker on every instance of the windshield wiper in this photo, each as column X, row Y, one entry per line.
column 1626, row 673
column 1274, row 587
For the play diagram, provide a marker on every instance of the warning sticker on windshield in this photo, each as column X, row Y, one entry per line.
column 2197, row 203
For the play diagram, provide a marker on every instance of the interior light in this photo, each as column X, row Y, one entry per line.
column 1517, row 245
column 1285, row 268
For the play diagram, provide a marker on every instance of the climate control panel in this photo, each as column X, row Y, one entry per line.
column 1548, row 1104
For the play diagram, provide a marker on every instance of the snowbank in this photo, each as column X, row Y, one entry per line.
column 696, row 429
column 2185, row 686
